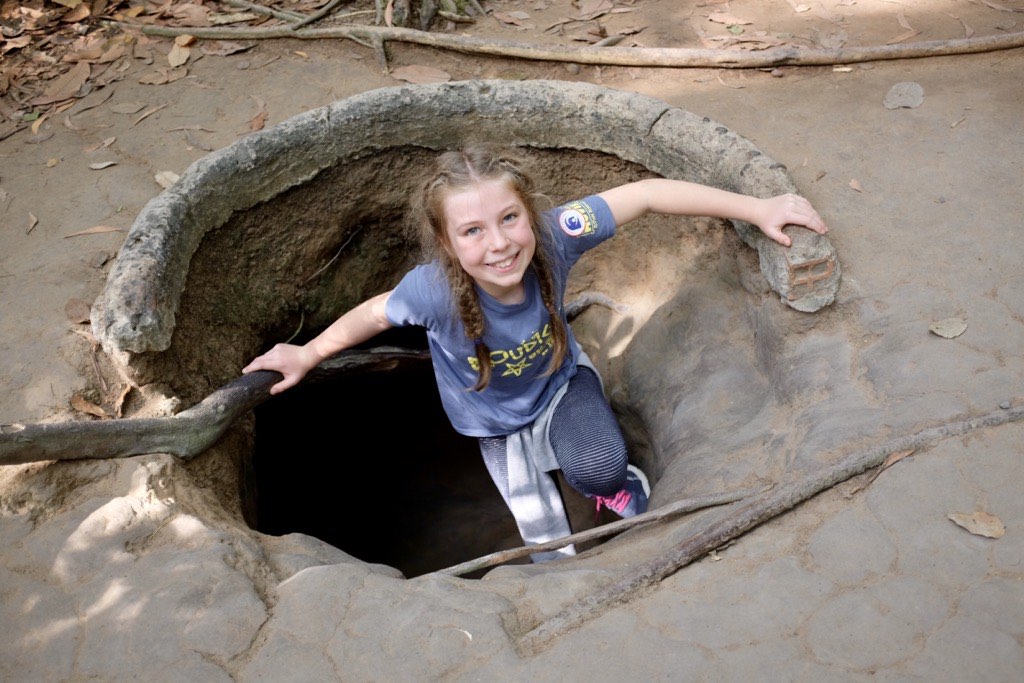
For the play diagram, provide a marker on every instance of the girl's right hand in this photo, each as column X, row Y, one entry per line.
column 291, row 361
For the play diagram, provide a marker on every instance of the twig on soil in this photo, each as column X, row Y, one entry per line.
column 104, row 387
column 284, row 15
column 302, row 321
column 335, row 257
column 677, row 508
column 606, row 56
column 186, row 434
column 585, row 300
column 748, row 515
column 456, row 18
column 318, row 15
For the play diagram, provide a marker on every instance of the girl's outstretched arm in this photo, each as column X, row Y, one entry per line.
column 361, row 323
column 680, row 198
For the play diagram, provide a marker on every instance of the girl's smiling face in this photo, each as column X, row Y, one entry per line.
column 489, row 232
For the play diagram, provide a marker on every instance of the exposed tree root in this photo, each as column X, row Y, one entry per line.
column 677, row 508
column 184, row 435
column 607, row 56
column 316, row 16
column 585, row 300
column 283, row 15
column 748, row 515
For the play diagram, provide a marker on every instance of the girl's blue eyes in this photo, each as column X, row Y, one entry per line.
column 508, row 218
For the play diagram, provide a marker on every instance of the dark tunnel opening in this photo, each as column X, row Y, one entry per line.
column 370, row 464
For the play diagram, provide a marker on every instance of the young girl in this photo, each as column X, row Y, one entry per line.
column 490, row 296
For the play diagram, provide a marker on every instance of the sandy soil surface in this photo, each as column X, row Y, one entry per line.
column 924, row 207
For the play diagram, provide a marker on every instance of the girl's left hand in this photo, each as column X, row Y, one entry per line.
column 787, row 209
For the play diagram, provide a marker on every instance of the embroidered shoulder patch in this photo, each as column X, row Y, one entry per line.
column 577, row 219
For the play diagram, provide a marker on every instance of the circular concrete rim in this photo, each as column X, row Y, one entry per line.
column 136, row 311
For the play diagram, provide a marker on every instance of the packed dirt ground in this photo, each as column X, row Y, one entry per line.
column 919, row 187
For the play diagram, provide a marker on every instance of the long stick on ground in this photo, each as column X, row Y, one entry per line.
column 677, row 508
column 284, row 15
column 184, row 435
column 747, row 516
column 319, row 14
column 608, row 56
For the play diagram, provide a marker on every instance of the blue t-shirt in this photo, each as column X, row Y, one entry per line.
column 518, row 335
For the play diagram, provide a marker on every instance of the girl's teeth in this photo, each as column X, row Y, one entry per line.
column 505, row 264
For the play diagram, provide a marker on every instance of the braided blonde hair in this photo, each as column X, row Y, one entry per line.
column 453, row 172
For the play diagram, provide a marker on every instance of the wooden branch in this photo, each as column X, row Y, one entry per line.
column 748, row 515
column 456, row 18
column 608, row 56
column 662, row 513
column 576, row 307
column 284, row 15
column 319, row 14
column 184, row 435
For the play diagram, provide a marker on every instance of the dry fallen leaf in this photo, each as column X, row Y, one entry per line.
column 1001, row 8
column 184, row 40
column 127, row 107
column 100, row 165
column 92, row 101
column 119, row 401
column 78, row 14
column 166, row 178
column 727, row 19
column 222, row 48
column 832, row 41
column 178, row 55
column 300, row 53
column 509, row 18
column 949, row 328
column 855, row 184
column 895, row 458
column 907, row 94
column 237, row 17
column 38, row 123
column 979, row 523
column 592, row 9
column 419, row 74
column 78, row 310
column 889, row 462
column 113, row 54
column 32, row 222
column 148, row 112
column 65, row 86
column 257, row 122
column 50, row 163
column 84, row 405
column 192, row 141
column 94, row 231
column 100, row 145
column 909, row 33
column 259, row 119
column 188, row 14
column 163, row 76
